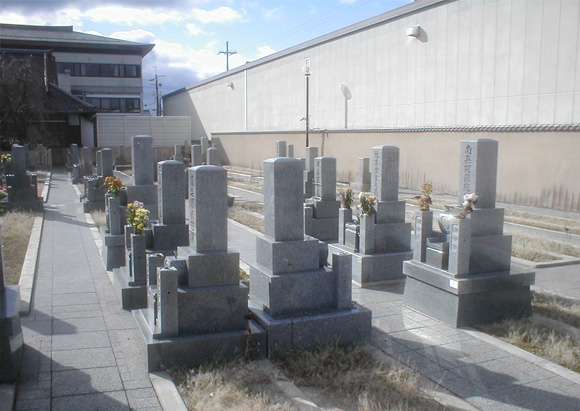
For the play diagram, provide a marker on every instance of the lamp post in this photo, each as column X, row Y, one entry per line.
column 307, row 73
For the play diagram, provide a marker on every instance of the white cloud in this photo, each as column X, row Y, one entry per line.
column 219, row 15
column 130, row 15
column 194, row 29
column 264, row 51
column 273, row 14
column 138, row 35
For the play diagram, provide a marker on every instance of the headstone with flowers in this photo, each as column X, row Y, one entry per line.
column 300, row 304
column 380, row 240
column 143, row 188
column 196, row 310
column 11, row 339
column 21, row 187
column 113, row 232
column 321, row 211
column 131, row 279
column 462, row 275
column 95, row 187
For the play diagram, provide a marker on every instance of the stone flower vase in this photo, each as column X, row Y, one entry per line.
column 344, row 216
column 367, row 234
column 423, row 224
column 138, row 260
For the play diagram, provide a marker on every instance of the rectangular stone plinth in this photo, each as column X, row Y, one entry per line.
column 208, row 310
column 375, row 269
column 169, row 237
column 195, row 350
column 490, row 254
column 11, row 339
column 390, row 212
column 324, row 229
column 280, row 257
column 310, row 332
column 131, row 295
column 462, row 302
column 113, row 250
column 211, row 269
column 392, row 238
column 294, row 294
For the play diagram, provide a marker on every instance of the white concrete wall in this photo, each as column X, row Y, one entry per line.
column 476, row 62
column 166, row 131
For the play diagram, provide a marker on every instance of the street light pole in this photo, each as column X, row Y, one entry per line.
column 307, row 73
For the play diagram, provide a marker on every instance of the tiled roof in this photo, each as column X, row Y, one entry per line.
column 15, row 35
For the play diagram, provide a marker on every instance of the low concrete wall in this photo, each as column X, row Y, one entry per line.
column 535, row 168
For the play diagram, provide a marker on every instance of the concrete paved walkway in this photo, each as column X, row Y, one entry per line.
column 82, row 351
column 487, row 373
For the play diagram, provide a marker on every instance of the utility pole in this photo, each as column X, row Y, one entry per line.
column 228, row 53
column 158, row 100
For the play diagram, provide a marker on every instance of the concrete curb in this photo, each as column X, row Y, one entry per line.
column 46, row 188
column 28, row 273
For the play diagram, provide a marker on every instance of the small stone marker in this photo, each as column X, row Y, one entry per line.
column 281, row 148
column 196, row 155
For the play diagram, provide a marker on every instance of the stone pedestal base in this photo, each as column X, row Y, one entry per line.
column 113, row 250
column 310, row 332
column 90, row 206
column 374, row 269
column 11, row 338
column 195, row 350
column 132, row 295
column 467, row 301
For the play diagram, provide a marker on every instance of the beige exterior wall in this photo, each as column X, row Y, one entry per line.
column 539, row 169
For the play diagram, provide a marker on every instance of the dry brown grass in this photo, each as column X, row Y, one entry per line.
column 350, row 378
column 556, row 308
column 99, row 217
column 253, row 186
column 246, row 217
column 564, row 225
column 16, row 228
column 538, row 339
column 538, row 249
column 236, row 386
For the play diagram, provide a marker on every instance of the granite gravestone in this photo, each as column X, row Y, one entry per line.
column 362, row 181
column 196, row 310
column 22, row 187
column 300, row 304
column 321, row 211
column 308, row 173
column 462, row 275
column 144, row 188
column 281, row 148
column 94, row 186
column 381, row 241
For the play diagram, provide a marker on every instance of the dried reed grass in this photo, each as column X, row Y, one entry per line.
column 16, row 228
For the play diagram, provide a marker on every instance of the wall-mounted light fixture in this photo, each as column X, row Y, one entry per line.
column 230, row 85
column 414, row 31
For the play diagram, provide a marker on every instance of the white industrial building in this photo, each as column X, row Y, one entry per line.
column 421, row 77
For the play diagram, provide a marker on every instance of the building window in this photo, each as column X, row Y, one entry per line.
column 115, row 105
column 100, row 70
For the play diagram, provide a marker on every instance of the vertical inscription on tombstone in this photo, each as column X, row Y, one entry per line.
column 318, row 177
column 191, row 188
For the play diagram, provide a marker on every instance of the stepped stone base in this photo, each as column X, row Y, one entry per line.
column 374, row 269
column 195, row 350
column 132, row 295
column 113, row 249
column 467, row 301
column 310, row 332
column 11, row 339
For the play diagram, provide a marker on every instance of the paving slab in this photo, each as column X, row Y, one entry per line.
column 81, row 349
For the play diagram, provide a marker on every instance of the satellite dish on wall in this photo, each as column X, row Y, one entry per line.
column 345, row 91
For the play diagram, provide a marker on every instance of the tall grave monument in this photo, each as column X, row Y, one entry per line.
column 321, row 211
column 300, row 304
column 144, row 188
column 381, row 241
column 196, row 310
column 94, row 198
column 462, row 275
column 22, row 187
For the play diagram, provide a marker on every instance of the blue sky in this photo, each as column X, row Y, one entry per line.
column 188, row 34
